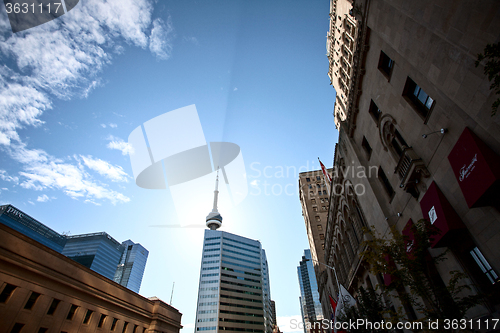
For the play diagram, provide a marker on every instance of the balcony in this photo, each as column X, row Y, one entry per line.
column 410, row 168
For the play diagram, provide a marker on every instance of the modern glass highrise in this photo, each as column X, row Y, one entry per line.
column 234, row 292
column 131, row 267
column 124, row 263
column 309, row 301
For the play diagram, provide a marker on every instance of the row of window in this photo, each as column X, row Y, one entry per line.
column 318, row 178
column 241, row 285
column 238, row 271
column 239, row 278
column 249, row 261
column 240, row 291
column 241, row 298
column 235, row 241
column 241, row 248
column 241, row 254
column 9, row 289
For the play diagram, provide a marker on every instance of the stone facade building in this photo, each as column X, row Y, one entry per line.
column 415, row 114
column 41, row 290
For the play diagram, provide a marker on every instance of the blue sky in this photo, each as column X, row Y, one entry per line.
column 72, row 90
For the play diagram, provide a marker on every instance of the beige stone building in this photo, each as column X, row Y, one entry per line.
column 314, row 194
column 43, row 291
column 416, row 113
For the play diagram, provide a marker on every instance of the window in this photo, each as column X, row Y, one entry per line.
column 42, row 330
column 318, row 178
column 72, row 312
column 385, row 182
column 323, row 207
column 322, row 236
column 318, row 218
column 324, row 192
column 125, row 327
column 313, row 201
column 88, row 315
column 17, row 328
column 113, row 325
column 135, row 328
column 101, row 320
column 318, row 185
column 366, row 146
column 53, row 306
column 308, row 179
column 418, row 98
column 6, row 293
column 374, row 111
column 315, row 209
column 385, row 64
column 322, row 200
column 484, row 265
column 320, row 227
column 31, row 301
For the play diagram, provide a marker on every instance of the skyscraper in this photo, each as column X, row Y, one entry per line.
column 25, row 224
column 309, row 301
column 132, row 264
column 124, row 263
column 234, row 293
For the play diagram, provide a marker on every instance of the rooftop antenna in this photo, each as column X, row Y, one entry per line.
column 172, row 294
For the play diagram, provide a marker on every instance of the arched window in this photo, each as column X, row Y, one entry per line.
column 392, row 139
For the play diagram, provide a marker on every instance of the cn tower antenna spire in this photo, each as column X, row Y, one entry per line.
column 214, row 220
column 216, row 192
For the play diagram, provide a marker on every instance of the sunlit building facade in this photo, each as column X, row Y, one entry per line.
column 309, row 297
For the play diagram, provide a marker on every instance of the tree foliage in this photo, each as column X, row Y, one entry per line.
column 492, row 70
column 412, row 267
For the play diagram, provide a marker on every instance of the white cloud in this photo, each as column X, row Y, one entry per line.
column 113, row 125
column 160, row 41
column 42, row 171
column 290, row 323
column 4, row 176
column 103, row 125
column 43, row 198
column 63, row 59
column 119, row 144
column 235, row 89
column 113, row 172
column 254, row 183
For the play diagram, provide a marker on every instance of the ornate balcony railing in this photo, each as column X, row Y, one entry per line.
column 410, row 168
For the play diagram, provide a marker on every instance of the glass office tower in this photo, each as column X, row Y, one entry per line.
column 25, row 224
column 309, row 301
column 234, row 282
column 98, row 251
column 131, row 267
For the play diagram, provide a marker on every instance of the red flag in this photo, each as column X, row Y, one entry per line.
column 325, row 173
column 333, row 304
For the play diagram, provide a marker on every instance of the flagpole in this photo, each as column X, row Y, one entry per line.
column 334, row 272
column 323, row 169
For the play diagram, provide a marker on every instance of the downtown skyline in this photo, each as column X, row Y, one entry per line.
column 257, row 75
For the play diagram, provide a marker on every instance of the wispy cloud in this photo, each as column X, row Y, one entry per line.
column 112, row 172
column 119, row 144
column 160, row 41
column 42, row 171
column 43, row 198
column 4, row 176
column 63, row 59
column 113, row 125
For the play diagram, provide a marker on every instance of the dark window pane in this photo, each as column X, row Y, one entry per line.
column 6, row 293
column 71, row 312
column 113, row 325
column 88, row 315
column 53, row 306
column 17, row 328
column 31, row 301
column 101, row 320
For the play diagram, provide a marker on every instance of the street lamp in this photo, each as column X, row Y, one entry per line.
column 334, row 272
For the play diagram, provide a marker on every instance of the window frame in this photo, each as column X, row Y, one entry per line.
column 386, row 70
column 420, row 107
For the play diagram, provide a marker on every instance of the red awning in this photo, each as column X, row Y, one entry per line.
column 436, row 208
column 476, row 167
